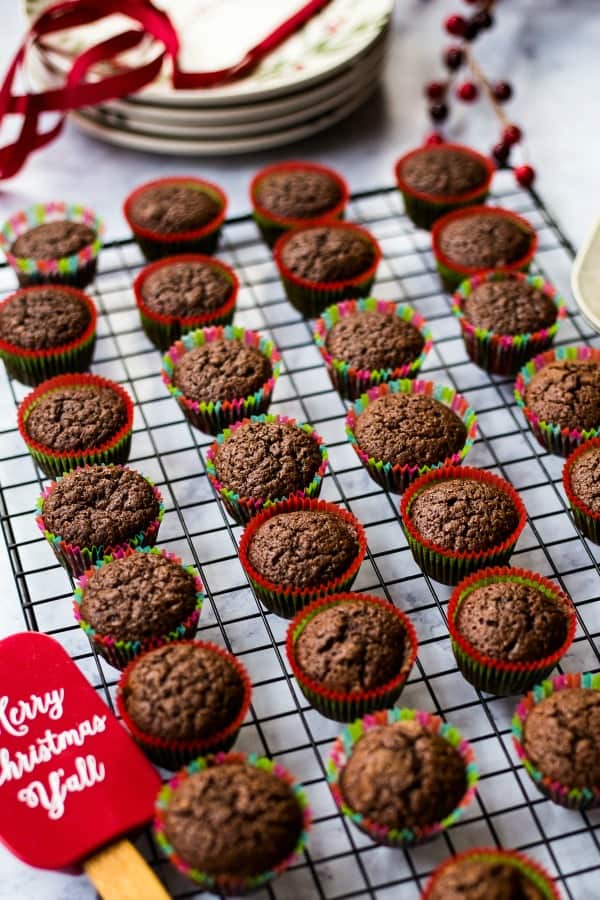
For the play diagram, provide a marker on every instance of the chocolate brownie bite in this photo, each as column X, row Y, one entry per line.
column 76, row 417
column 327, row 254
column 299, row 193
column 43, row 318
column 566, row 393
column 185, row 289
column 474, row 878
column 221, row 370
column 510, row 306
column 53, row 240
column 584, row 477
column 374, row 340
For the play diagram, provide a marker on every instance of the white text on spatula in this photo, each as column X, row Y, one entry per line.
column 13, row 717
column 52, row 797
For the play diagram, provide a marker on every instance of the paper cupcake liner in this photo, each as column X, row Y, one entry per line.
column 55, row 462
column 286, row 600
column 272, row 226
column 225, row 884
column 77, row 560
column 172, row 754
column 76, row 270
column 242, row 509
column 424, row 209
column 155, row 245
column 33, row 366
column 504, row 354
column 529, row 869
column 586, row 519
column 396, row 478
column 351, row 382
column 555, row 439
column 497, row 676
column 345, row 707
column 383, row 834
column 164, row 330
column 311, row 297
column 563, row 795
column 453, row 273
column 450, row 566
column 216, row 415
column 119, row 653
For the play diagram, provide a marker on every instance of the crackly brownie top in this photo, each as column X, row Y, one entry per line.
column 183, row 692
column 53, row 240
column 585, row 478
column 175, row 207
column 444, row 171
column 566, row 392
column 353, row 646
column 561, row 737
column 298, row 193
column 141, row 595
column 267, row 460
column 233, row 819
column 510, row 306
column 409, row 430
column 484, row 241
column 374, row 340
column 43, row 319
column 478, row 879
column 185, row 289
column 327, row 254
column 511, row 621
column 76, row 417
column 221, row 370
column 100, row 506
column 303, row 548
column 402, row 775
column 464, row 515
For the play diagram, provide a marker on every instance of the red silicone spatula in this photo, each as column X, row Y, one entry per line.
column 72, row 782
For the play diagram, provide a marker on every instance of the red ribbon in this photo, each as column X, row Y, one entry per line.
column 78, row 92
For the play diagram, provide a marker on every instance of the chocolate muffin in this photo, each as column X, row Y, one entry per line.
column 352, row 646
column 566, row 392
column 43, row 318
column 327, row 254
column 53, row 240
column 409, row 430
column 484, row 240
column 303, row 548
column 221, row 370
column 100, row 506
column 444, row 171
column 510, row 306
column 267, row 460
column 185, row 289
column 464, row 515
column 233, row 820
column 183, row 691
column 76, row 417
column 374, row 340
column 478, row 879
column 173, row 208
column 298, row 193
column 585, row 478
column 403, row 776
column 512, row 622
column 561, row 737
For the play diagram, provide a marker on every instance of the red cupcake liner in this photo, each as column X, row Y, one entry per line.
column 311, row 297
column 33, row 366
column 164, row 330
column 450, row 566
column 424, row 209
column 496, row 676
column 528, row 867
column 586, row 519
column 172, row 754
column 155, row 244
column 287, row 600
column 272, row 226
column 452, row 273
column 338, row 705
column 56, row 462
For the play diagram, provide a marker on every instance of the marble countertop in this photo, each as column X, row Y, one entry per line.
column 548, row 49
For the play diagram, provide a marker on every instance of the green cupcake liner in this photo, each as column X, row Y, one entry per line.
column 312, row 301
column 32, row 370
column 164, row 335
column 156, row 249
column 585, row 518
column 423, row 213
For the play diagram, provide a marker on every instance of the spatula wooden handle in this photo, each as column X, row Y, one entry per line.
column 119, row 872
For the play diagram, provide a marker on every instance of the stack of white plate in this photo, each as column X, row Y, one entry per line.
column 315, row 79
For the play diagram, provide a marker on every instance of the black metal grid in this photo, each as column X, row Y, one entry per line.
column 340, row 862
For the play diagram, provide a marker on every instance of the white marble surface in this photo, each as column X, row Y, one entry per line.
column 548, row 48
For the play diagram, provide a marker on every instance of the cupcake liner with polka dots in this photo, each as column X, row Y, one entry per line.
column 586, row 519
column 529, row 869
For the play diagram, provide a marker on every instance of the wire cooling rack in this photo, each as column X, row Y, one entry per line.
column 340, row 861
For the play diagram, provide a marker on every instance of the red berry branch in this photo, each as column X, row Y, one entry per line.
column 467, row 81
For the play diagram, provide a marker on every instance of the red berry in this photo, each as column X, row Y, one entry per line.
column 433, row 139
column 512, row 134
column 501, row 152
column 473, row 2
column 435, row 90
column 482, row 20
column 467, row 91
column 472, row 29
column 525, row 175
column 456, row 25
column 438, row 112
column 502, row 91
column 454, row 57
